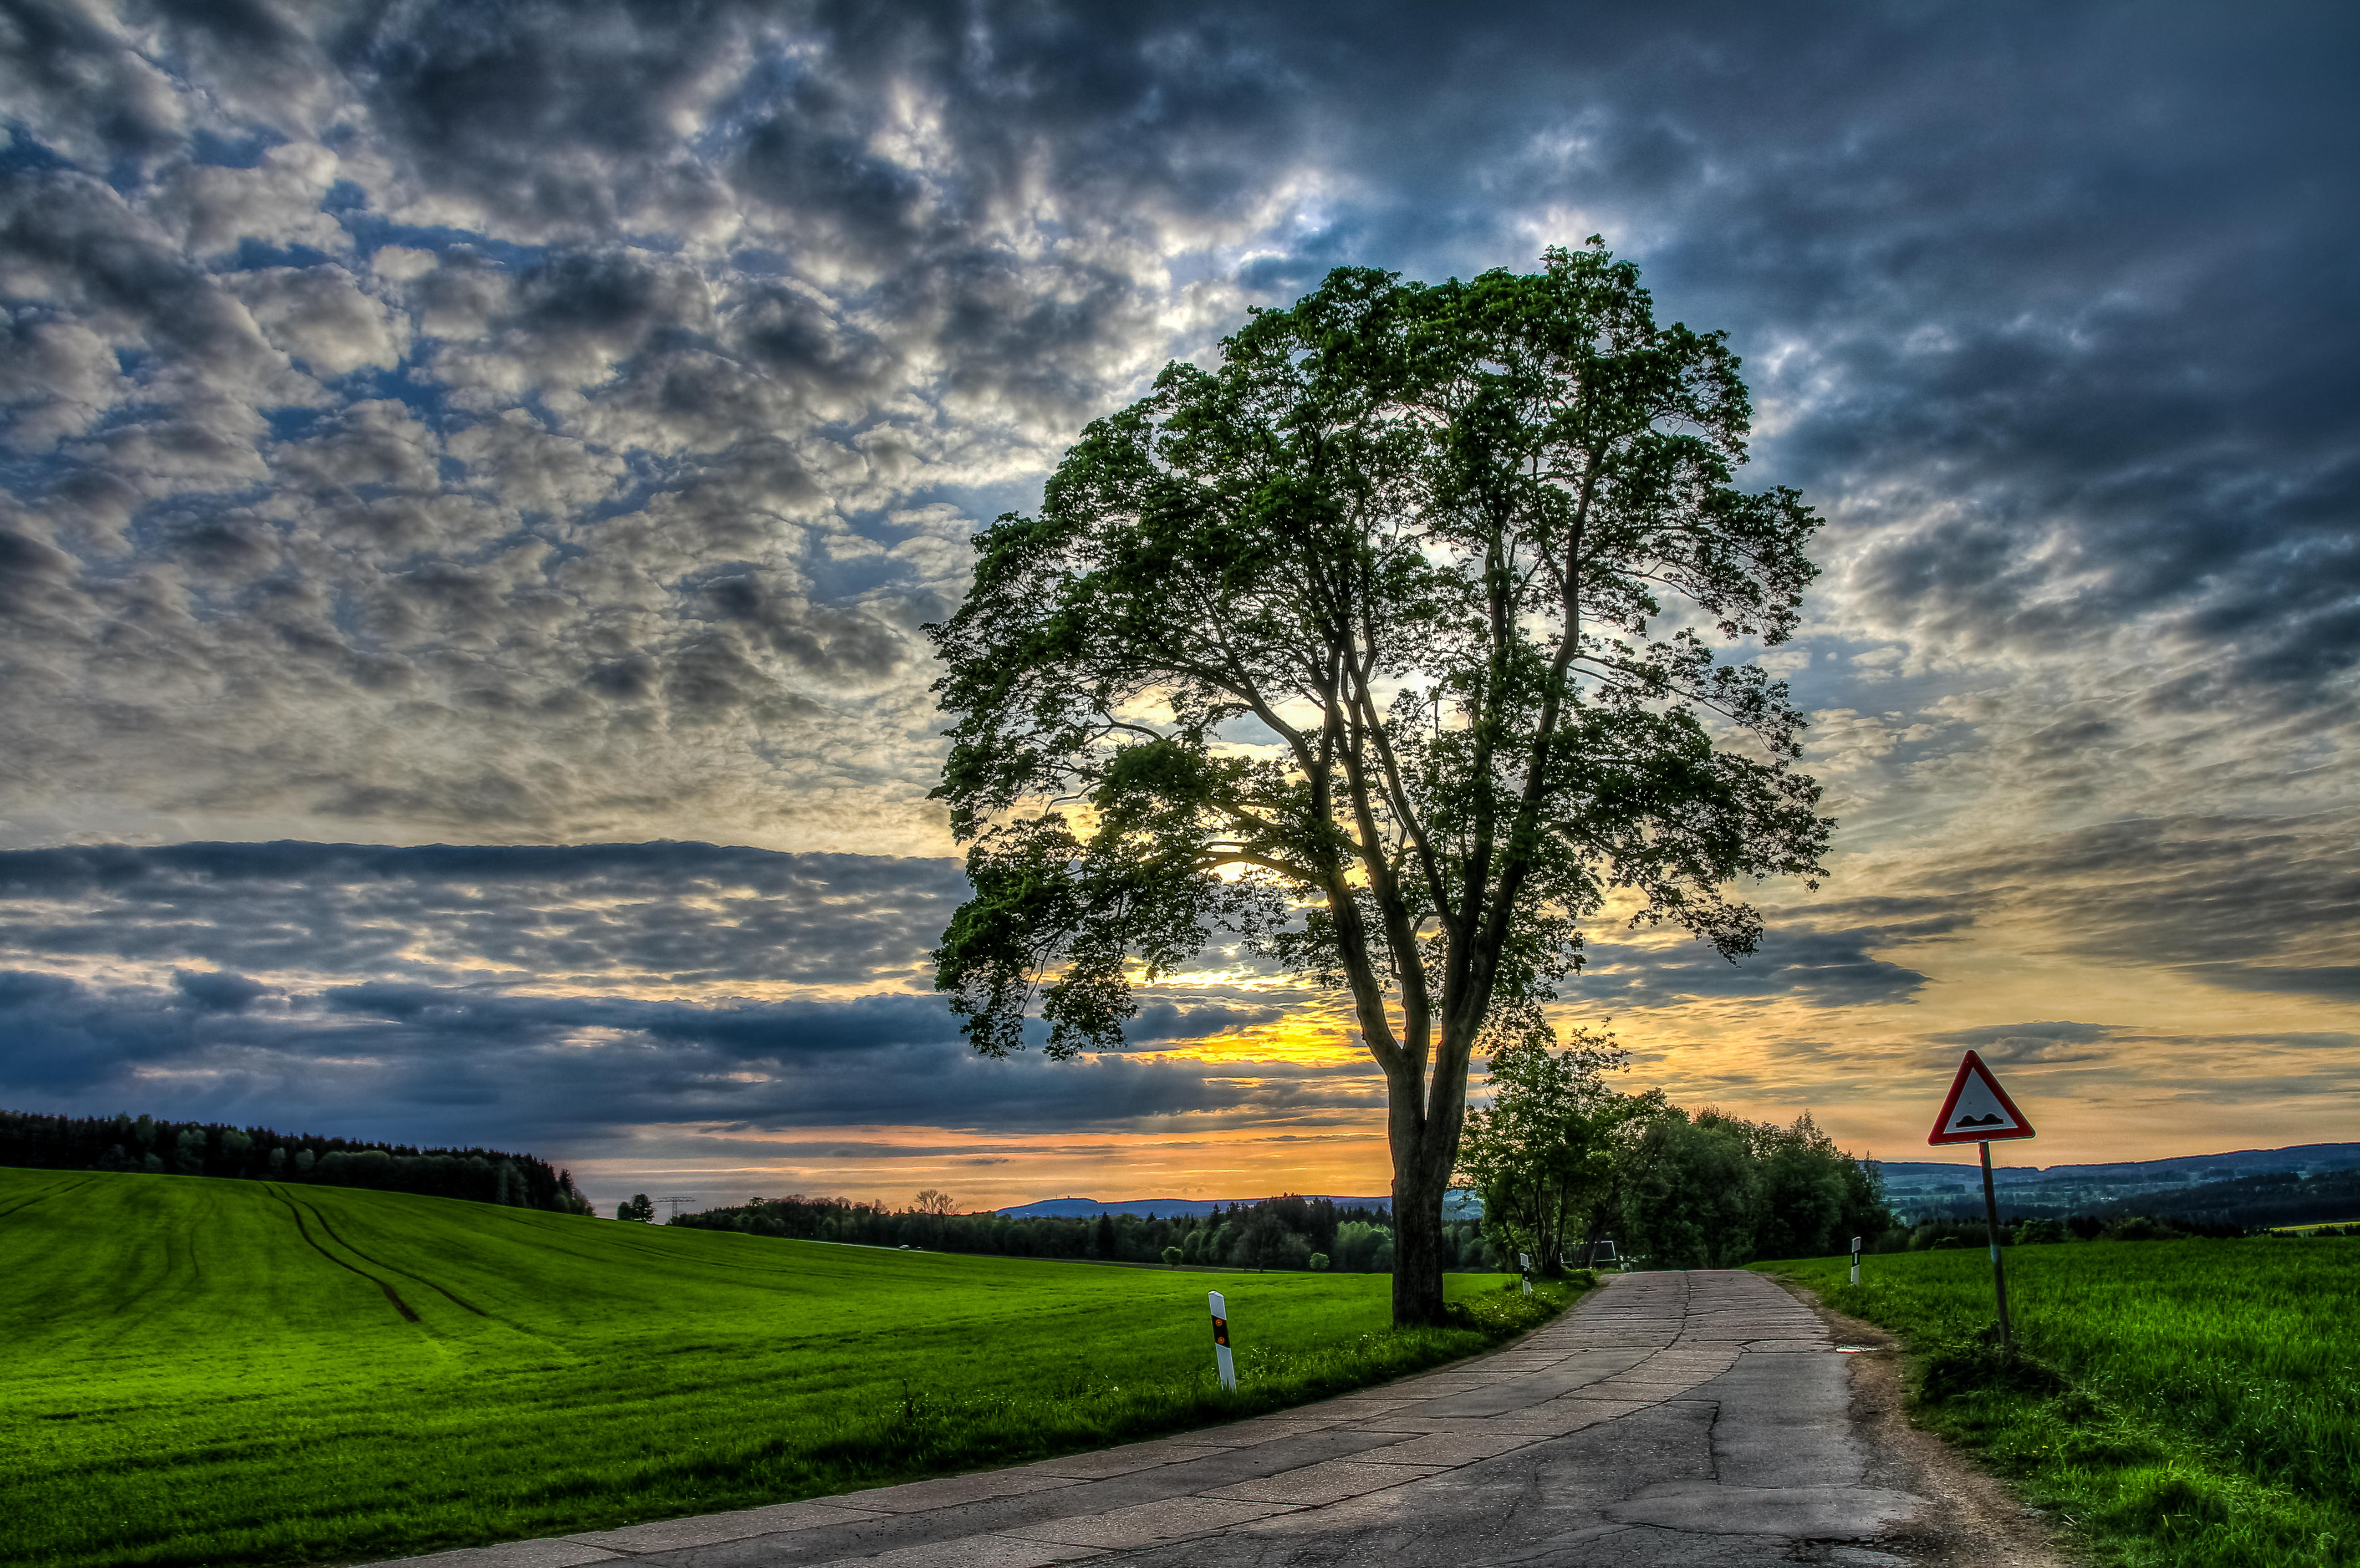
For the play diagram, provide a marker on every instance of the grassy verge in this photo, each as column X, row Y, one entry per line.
column 207, row 1371
column 2192, row 1403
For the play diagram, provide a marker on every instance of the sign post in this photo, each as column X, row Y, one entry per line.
column 1524, row 1263
column 1221, row 1361
column 1855, row 1260
column 1978, row 1111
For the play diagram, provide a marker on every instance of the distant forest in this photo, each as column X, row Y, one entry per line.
column 2227, row 1207
column 216, row 1148
column 1277, row 1233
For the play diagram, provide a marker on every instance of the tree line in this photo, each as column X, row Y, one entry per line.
column 1564, row 1160
column 216, row 1148
column 1287, row 1232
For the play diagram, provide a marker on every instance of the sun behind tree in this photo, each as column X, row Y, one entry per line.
column 1394, row 646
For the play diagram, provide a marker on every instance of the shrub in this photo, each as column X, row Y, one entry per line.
column 1961, row 1369
column 2138, row 1227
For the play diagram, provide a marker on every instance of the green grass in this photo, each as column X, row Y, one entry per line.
column 2192, row 1402
column 216, row 1371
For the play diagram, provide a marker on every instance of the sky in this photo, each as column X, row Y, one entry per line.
column 471, row 477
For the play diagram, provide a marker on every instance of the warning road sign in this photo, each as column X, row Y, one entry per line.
column 1977, row 1109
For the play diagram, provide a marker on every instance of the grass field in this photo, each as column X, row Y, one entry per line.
column 222, row 1371
column 2193, row 1402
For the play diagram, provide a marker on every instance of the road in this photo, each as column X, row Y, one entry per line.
column 1687, row 1420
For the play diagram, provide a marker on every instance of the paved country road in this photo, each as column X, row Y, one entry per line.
column 1681, row 1419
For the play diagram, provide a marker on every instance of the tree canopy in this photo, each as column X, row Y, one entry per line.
column 1394, row 644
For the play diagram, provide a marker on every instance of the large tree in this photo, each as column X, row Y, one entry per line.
column 1395, row 644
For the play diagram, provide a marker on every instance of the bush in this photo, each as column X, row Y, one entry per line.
column 1172, row 1257
column 2138, row 1227
column 1962, row 1368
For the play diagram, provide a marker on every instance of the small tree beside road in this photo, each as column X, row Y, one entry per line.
column 1547, row 1156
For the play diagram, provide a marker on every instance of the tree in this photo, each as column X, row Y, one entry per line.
column 1388, row 647
column 1547, row 1154
column 931, row 1201
column 1693, row 1196
column 637, row 1206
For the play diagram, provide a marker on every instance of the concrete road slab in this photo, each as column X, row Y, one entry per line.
column 974, row 1552
column 708, row 1530
column 1791, row 1513
column 1331, row 1481
column 1123, row 1461
column 949, row 1491
column 1449, row 1448
column 1145, row 1524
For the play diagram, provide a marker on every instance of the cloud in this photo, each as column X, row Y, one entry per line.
column 571, row 992
column 580, row 1068
column 502, row 417
column 2058, row 1041
column 552, row 426
column 2264, row 903
column 1818, row 968
column 657, row 916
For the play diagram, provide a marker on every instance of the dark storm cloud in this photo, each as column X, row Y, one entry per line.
column 598, row 987
column 2058, row 1041
column 458, row 1061
column 682, row 914
column 456, row 987
column 2263, row 903
column 1819, row 968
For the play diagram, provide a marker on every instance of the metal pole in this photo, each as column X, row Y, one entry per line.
column 1991, row 1222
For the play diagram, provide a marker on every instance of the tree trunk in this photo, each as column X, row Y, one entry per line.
column 1419, row 1180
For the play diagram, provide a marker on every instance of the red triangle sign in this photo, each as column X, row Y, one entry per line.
column 1977, row 1110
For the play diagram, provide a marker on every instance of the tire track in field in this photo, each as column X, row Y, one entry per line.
column 390, row 1293
column 44, row 1197
column 522, row 1217
column 393, row 1268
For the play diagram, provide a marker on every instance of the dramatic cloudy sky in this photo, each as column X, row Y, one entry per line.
column 474, row 474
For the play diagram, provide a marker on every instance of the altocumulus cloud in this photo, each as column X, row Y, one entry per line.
column 553, row 422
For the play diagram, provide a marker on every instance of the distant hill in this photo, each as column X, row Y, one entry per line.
column 2209, row 1184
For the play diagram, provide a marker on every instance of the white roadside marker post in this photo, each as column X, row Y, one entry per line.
column 1221, row 1361
column 1855, row 1260
column 1524, row 1262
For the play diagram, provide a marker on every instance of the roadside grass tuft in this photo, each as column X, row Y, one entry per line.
column 2188, row 1403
